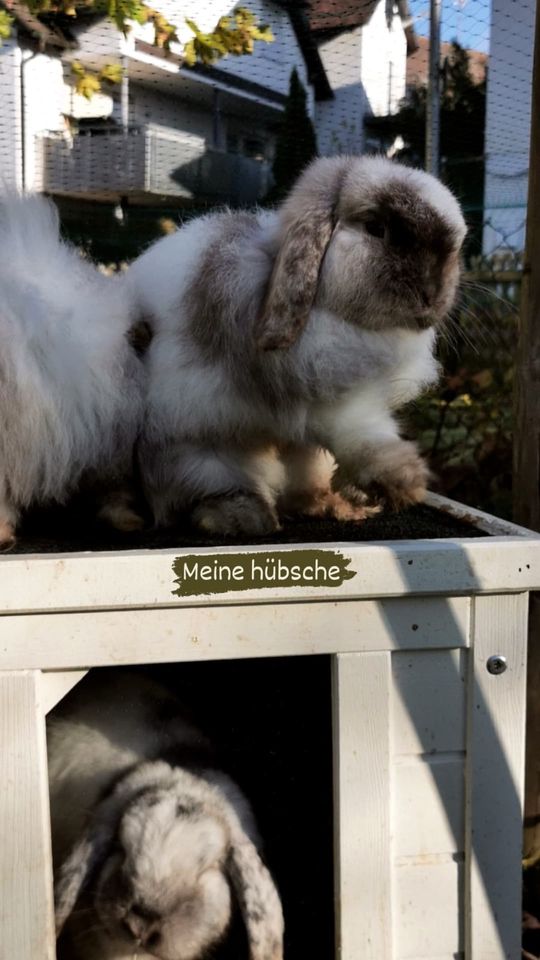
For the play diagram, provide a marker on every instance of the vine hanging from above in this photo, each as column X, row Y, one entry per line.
column 235, row 33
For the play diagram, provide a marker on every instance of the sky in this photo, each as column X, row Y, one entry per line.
column 464, row 20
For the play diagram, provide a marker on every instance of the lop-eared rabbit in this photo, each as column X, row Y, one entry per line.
column 70, row 382
column 278, row 334
column 154, row 847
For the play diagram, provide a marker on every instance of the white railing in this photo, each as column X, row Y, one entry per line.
column 149, row 160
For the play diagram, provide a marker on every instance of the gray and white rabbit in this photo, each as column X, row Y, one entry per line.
column 280, row 333
column 70, row 383
column 152, row 844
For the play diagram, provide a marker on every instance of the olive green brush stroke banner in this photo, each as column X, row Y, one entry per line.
column 202, row 575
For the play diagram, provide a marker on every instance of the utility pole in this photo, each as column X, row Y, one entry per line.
column 433, row 112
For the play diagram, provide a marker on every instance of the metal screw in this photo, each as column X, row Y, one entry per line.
column 496, row 664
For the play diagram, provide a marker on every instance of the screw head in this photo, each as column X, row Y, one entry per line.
column 496, row 664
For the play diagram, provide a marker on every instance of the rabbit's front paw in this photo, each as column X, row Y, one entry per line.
column 233, row 514
column 407, row 484
column 347, row 505
column 394, row 473
column 403, row 476
column 7, row 536
column 122, row 517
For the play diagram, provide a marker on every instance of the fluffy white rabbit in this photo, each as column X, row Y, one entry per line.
column 70, row 382
column 291, row 331
column 152, row 845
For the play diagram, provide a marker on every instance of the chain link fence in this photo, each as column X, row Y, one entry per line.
column 129, row 154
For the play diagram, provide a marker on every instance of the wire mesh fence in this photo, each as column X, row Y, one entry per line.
column 134, row 120
column 134, row 130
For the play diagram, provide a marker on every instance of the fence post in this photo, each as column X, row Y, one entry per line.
column 526, row 474
column 433, row 106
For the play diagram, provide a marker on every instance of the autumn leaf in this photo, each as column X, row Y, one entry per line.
column 77, row 68
column 234, row 34
column 111, row 73
column 87, row 85
column 164, row 32
column 5, row 25
column 484, row 378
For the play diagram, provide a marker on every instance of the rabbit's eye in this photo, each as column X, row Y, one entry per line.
column 375, row 228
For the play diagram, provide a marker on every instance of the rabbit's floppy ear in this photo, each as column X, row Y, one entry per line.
column 254, row 888
column 90, row 850
column 258, row 899
column 308, row 220
column 81, row 862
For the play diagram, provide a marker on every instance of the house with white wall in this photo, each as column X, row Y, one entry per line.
column 508, row 118
column 364, row 48
column 171, row 134
column 167, row 131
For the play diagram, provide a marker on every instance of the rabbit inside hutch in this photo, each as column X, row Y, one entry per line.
column 155, row 848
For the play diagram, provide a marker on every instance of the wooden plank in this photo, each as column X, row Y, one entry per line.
column 526, row 473
column 494, row 780
column 77, row 640
column 429, row 804
column 494, row 526
column 439, row 956
column 56, row 685
column 428, row 914
column 429, row 704
column 362, row 691
column 146, row 578
column 531, row 838
column 26, row 902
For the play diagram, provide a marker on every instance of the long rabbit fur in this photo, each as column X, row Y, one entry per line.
column 281, row 333
column 70, row 383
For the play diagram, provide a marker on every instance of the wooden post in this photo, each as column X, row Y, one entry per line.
column 526, row 474
column 494, row 779
column 526, row 478
column 363, row 863
column 26, row 900
column 531, row 836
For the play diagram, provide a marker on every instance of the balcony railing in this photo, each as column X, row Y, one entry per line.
column 146, row 161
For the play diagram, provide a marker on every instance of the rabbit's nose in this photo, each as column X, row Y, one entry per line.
column 151, row 940
column 143, row 926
